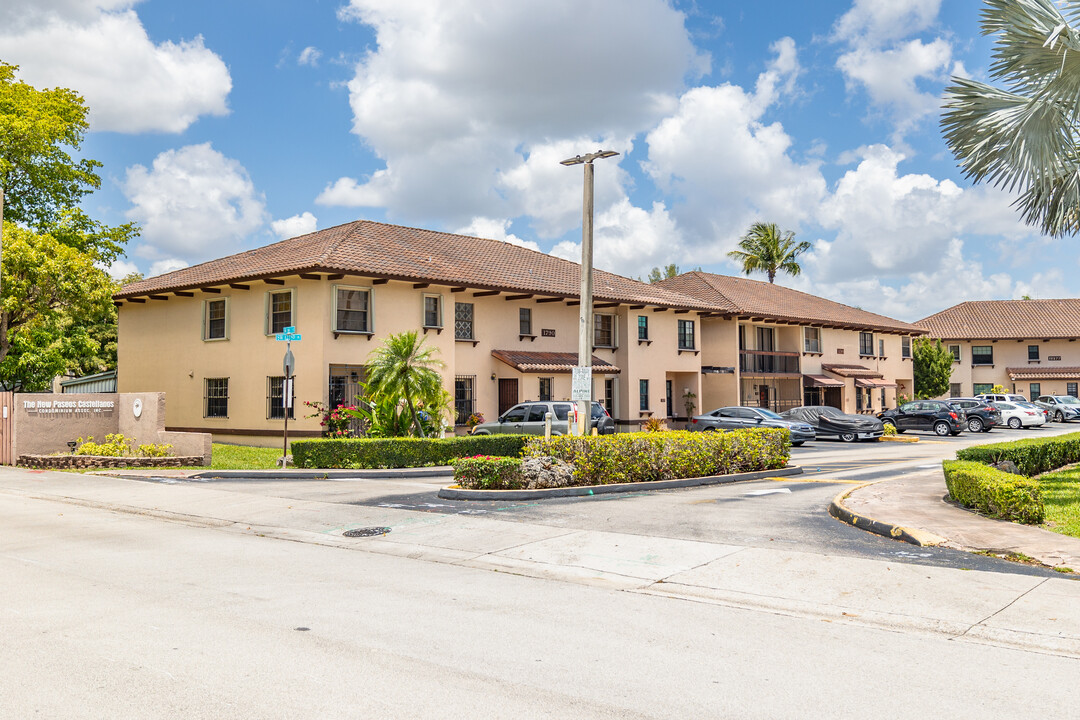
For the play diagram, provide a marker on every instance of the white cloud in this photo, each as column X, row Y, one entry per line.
column 294, row 226
column 193, row 203
column 495, row 229
column 102, row 51
column 166, row 266
column 121, row 268
column 875, row 22
column 309, row 56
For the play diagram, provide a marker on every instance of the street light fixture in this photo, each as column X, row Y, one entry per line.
column 582, row 382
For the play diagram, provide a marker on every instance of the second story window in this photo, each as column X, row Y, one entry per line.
column 880, row 348
column 686, row 335
column 214, row 327
column 982, row 354
column 463, row 321
column 811, row 339
column 866, row 343
column 280, row 311
column 1033, row 352
column 432, row 311
column 525, row 321
column 955, row 350
column 603, row 331
column 905, row 347
column 642, row 327
column 352, row 310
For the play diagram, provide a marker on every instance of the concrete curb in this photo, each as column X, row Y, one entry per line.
column 899, row 439
column 453, row 493
column 912, row 536
column 374, row 474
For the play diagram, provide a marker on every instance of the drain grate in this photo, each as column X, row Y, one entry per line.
column 366, row 532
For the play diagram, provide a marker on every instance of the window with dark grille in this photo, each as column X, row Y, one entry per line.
column 905, row 347
column 955, row 350
column 525, row 321
column 545, row 388
column 882, row 398
column 981, row 388
column 858, row 400
column 353, row 306
column 1035, row 390
column 432, row 311
column 609, row 396
column 811, row 339
column 982, row 354
column 686, row 335
column 866, row 343
column 463, row 321
column 216, row 397
column 954, row 390
column 643, row 394
column 1033, row 352
column 275, row 398
column 215, row 319
column 603, row 330
column 281, row 310
column 1070, row 389
column 642, row 327
column 464, row 398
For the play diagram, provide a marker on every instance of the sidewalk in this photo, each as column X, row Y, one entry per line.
column 916, row 502
column 1000, row 609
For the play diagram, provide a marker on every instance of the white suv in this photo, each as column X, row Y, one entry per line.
column 1010, row 398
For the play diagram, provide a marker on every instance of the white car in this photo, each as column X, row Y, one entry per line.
column 1017, row 417
column 1008, row 397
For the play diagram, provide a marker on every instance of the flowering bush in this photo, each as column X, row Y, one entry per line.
column 475, row 419
column 336, row 421
column 116, row 445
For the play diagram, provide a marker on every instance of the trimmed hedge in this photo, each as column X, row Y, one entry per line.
column 488, row 473
column 359, row 453
column 645, row 456
column 994, row 492
column 1034, row 456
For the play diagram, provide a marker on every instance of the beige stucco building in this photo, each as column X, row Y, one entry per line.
column 504, row 322
column 1026, row 346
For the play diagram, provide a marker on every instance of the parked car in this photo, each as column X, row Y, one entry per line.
column 1017, row 416
column 1063, row 408
column 829, row 422
column 527, row 418
column 936, row 416
column 998, row 397
column 981, row 416
column 1031, row 406
column 740, row 418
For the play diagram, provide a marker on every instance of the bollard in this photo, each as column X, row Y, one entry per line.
column 547, row 426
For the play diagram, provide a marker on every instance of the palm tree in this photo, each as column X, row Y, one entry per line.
column 766, row 248
column 1022, row 137
column 405, row 370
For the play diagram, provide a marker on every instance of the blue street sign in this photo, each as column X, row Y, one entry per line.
column 288, row 337
column 289, row 330
column 280, row 337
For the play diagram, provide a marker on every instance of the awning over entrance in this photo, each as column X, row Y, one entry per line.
column 1043, row 373
column 821, row 381
column 549, row 362
column 851, row 371
column 871, row 383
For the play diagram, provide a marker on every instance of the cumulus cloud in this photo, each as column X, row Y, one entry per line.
column 167, row 265
column 193, row 203
column 495, row 229
column 120, row 269
column 294, row 226
column 309, row 56
column 102, row 51
column 876, row 23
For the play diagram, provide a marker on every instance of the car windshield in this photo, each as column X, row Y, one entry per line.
column 1068, row 400
column 769, row 414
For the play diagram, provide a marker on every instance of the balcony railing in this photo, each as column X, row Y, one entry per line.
column 767, row 361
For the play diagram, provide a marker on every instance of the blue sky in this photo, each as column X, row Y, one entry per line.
column 224, row 126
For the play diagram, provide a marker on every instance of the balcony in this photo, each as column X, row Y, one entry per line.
column 768, row 362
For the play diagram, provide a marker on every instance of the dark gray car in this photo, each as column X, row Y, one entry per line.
column 527, row 418
column 740, row 418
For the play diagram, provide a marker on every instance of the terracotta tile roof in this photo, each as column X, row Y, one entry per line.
column 756, row 298
column 553, row 362
column 1036, row 372
column 1006, row 320
column 851, row 371
column 391, row 251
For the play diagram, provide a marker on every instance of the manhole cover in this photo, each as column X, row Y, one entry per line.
column 366, row 532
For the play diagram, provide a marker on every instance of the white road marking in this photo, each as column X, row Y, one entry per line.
column 770, row 492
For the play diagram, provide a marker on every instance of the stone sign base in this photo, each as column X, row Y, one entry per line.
column 73, row 462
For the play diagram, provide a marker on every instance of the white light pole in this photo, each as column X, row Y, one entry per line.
column 582, row 381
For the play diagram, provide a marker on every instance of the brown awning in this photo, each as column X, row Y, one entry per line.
column 1035, row 372
column 855, row 371
column 821, row 381
column 871, row 383
column 549, row 362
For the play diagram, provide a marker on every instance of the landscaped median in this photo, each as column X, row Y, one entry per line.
column 371, row 453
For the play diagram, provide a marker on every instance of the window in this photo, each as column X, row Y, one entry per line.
column 1035, row 390
column 525, row 321
column 609, row 396
column 866, row 343
column 811, row 340
column 463, row 321
column 858, row 400
column 603, row 331
column 280, row 311
column 954, row 390
column 1070, row 389
column 686, row 334
column 881, row 348
column 982, row 388
column 545, row 389
column 537, row 413
column 352, row 310
column 1033, row 352
column 275, row 395
column 642, row 327
column 216, row 397
column 882, row 398
column 643, row 394
column 905, row 347
column 432, row 311
column 214, row 327
column 955, row 350
column 562, row 411
column 982, row 354
column 464, row 398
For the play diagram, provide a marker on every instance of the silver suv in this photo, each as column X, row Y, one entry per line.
column 527, row 418
column 1062, row 408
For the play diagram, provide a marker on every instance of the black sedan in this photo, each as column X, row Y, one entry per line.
column 740, row 418
column 828, row 421
column 934, row 416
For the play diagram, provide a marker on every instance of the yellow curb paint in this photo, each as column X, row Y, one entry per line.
column 924, row 538
column 827, row 481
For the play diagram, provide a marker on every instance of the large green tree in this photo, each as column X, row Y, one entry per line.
column 765, row 248
column 404, row 370
column 933, row 364
column 1020, row 133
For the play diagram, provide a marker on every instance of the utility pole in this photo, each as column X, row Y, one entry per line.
column 582, row 378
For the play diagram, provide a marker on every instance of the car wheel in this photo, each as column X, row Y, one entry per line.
column 975, row 424
column 708, row 429
column 1015, row 423
column 888, row 422
column 848, row 437
column 1059, row 417
column 942, row 428
column 797, row 444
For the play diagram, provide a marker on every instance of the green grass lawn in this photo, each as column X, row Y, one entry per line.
column 243, row 457
column 1061, row 493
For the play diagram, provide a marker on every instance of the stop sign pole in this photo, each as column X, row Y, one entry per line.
column 288, row 365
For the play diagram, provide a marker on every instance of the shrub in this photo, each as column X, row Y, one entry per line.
column 654, row 424
column 994, row 492
column 484, row 472
column 1034, row 456
column 643, row 457
column 400, row 452
column 116, row 445
column 888, row 429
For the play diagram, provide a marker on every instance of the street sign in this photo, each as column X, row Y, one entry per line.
column 288, row 364
column 288, row 337
column 581, row 384
column 289, row 330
